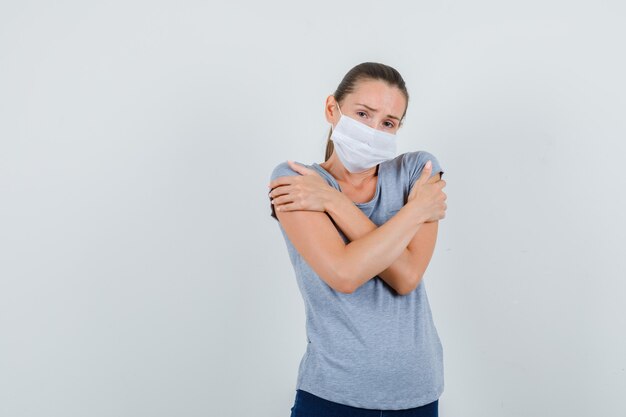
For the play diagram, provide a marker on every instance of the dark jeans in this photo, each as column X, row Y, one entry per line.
column 309, row 405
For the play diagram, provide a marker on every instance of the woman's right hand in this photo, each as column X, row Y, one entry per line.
column 428, row 197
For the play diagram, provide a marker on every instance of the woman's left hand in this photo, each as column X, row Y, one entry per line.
column 308, row 191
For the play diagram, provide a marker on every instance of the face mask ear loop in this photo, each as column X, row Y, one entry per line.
column 331, row 125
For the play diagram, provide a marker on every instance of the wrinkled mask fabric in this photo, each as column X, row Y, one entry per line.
column 360, row 147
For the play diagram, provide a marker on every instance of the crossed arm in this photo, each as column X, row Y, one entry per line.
column 406, row 272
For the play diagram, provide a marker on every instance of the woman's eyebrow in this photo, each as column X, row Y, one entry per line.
column 374, row 110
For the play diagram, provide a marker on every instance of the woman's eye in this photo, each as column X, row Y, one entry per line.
column 390, row 125
column 359, row 112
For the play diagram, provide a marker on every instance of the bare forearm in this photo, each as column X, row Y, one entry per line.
column 355, row 224
column 377, row 249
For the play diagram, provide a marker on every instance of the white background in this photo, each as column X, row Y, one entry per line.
column 142, row 275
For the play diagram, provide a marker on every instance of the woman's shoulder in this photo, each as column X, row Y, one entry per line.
column 413, row 162
column 283, row 169
column 418, row 156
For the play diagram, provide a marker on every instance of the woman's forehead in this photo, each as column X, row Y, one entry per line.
column 378, row 94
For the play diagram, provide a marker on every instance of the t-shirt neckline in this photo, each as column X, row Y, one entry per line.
column 378, row 185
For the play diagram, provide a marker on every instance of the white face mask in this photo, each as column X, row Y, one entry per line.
column 360, row 147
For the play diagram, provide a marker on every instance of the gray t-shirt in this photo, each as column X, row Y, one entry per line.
column 372, row 348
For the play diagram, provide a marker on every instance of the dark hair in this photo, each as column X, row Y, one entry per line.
column 366, row 71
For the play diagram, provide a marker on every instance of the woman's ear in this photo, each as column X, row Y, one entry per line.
column 330, row 109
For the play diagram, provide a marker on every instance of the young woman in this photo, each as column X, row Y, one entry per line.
column 360, row 230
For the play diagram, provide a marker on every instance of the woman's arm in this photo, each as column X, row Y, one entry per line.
column 406, row 271
column 347, row 267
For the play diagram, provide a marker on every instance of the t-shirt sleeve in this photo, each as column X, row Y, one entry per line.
column 415, row 162
column 280, row 170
